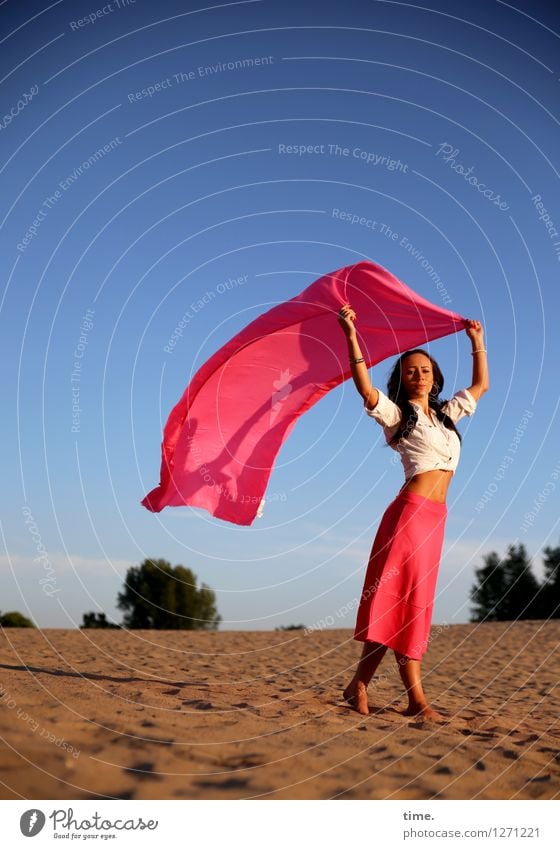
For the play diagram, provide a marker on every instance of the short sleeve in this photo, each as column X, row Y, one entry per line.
column 386, row 412
column 462, row 404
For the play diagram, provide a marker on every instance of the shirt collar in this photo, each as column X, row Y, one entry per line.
column 419, row 408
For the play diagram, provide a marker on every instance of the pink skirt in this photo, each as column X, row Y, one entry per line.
column 398, row 596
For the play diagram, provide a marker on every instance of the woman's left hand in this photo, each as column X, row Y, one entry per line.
column 475, row 331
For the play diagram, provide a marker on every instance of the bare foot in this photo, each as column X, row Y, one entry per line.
column 423, row 712
column 357, row 697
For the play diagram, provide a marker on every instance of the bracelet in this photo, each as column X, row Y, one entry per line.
column 479, row 351
column 358, row 360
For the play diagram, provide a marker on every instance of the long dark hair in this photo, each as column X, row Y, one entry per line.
column 397, row 394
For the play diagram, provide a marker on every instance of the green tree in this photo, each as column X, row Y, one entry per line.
column 491, row 587
column 521, row 600
column 551, row 583
column 97, row 620
column 158, row 595
column 14, row 619
column 507, row 589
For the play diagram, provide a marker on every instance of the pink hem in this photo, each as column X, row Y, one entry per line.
column 396, row 604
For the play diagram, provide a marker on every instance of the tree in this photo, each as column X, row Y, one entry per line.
column 507, row 589
column 490, row 590
column 158, row 595
column 521, row 599
column 15, row 619
column 97, row 620
column 551, row 583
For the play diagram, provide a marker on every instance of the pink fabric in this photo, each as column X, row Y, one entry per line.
column 221, row 439
column 397, row 599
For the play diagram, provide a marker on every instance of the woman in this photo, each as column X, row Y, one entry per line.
column 395, row 609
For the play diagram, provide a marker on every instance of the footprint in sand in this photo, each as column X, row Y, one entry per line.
column 547, row 750
column 228, row 784
column 143, row 770
column 510, row 754
column 529, row 738
column 489, row 725
column 251, row 759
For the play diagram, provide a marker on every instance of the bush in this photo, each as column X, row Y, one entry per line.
column 97, row 620
column 14, row 619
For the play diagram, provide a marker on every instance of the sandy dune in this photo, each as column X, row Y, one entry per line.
column 236, row 715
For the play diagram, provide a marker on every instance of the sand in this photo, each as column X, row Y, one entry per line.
column 242, row 715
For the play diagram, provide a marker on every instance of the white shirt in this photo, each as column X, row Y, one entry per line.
column 430, row 445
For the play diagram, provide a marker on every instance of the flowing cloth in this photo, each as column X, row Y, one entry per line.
column 397, row 600
column 221, row 439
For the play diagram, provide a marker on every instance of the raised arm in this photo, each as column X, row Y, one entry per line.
column 480, row 380
column 360, row 374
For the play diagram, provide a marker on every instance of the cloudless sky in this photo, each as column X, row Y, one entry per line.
column 144, row 181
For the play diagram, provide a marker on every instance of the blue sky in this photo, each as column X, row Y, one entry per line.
column 146, row 176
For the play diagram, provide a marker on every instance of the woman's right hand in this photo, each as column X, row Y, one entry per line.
column 346, row 319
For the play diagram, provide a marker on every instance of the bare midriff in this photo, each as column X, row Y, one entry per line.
column 433, row 484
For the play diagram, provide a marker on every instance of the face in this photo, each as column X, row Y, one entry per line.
column 417, row 376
